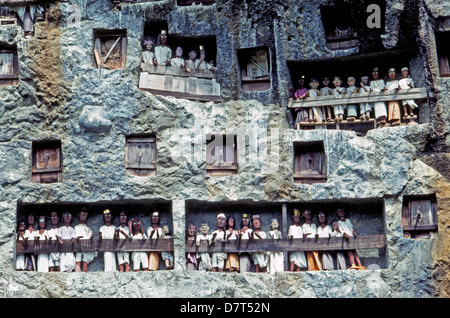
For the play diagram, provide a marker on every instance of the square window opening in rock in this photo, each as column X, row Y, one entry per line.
column 310, row 164
column 185, row 67
column 9, row 66
column 357, row 66
column 255, row 68
column 221, row 154
column 139, row 209
column 366, row 215
column 197, row 2
column 340, row 30
column 419, row 215
column 47, row 161
column 140, row 155
column 110, row 48
column 443, row 52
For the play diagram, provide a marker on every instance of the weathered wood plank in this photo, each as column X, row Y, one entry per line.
column 286, row 245
column 176, row 71
column 386, row 96
column 94, row 245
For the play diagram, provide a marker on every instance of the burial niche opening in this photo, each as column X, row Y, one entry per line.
column 351, row 70
column 310, row 164
column 443, row 51
column 140, row 155
column 46, row 161
column 255, row 68
column 110, row 251
column 9, row 66
column 340, row 30
column 110, row 49
column 274, row 235
column 197, row 2
column 419, row 215
column 221, row 154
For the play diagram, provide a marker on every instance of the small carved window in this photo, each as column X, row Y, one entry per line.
column 110, row 49
column 443, row 51
column 140, row 156
column 255, row 69
column 47, row 161
column 310, row 164
column 221, row 155
column 419, row 215
column 9, row 67
column 339, row 27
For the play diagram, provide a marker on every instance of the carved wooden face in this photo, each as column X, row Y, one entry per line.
column 307, row 214
column 326, row 81
column 163, row 38
column 155, row 218
column 204, row 229
column 83, row 215
column 392, row 74
column 179, row 51
column 340, row 213
column 136, row 226
column 375, row 73
column 301, row 82
column 54, row 218
column 67, row 217
column 192, row 55
column 256, row 223
column 274, row 224
column 107, row 218
column 351, row 81
column 22, row 226
column 191, row 230
column 337, row 81
column 405, row 73
column 41, row 222
column 30, row 219
column 245, row 221
column 314, row 84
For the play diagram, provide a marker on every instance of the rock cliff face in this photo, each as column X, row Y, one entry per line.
column 61, row 95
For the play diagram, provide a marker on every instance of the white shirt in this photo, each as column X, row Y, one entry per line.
column 108, row 231
column 346, row 227
column 324, row 231
column 162, row 54
column 295, row 231
column 309, row 229
column 83, row 230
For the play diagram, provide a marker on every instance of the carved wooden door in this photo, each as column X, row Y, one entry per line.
column 140, row 156
column 47, row 164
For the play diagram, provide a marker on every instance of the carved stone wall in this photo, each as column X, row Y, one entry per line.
column 61, row 95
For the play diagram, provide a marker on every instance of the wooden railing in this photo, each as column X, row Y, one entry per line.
column 370, row 97
column 356, row 99
column 94, row 245
column 289, row 245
